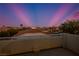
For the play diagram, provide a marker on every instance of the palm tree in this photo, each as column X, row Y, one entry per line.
column 21, row 25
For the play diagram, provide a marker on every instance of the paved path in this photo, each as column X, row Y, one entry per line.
column 51, row 52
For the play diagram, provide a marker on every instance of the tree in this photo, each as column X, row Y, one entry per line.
column 21, row 25
column 70, row 27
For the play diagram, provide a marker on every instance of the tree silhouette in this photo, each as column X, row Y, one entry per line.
column 21, row 25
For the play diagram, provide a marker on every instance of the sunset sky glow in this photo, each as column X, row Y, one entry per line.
column 37, row 14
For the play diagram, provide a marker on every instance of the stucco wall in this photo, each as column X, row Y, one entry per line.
column 21, row 45
column 71, row 42
column 32, row 44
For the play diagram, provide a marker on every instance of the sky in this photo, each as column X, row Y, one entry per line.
column 37, row 14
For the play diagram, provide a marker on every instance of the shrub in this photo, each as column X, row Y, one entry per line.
column 70, row 27
column 8, row 33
